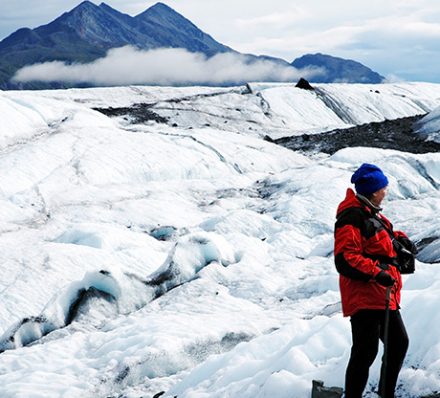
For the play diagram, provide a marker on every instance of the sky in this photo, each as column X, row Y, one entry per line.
column 400, row 39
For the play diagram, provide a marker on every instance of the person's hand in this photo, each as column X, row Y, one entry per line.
column 384, row 279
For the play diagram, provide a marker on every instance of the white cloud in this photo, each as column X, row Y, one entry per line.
column 391, row 78
column 326, row 41
column 424, row 28
column 276, row 19
column 128, row 65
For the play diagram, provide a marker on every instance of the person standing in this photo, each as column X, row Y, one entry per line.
column 366, row 262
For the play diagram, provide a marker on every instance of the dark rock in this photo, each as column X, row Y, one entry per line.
column 395, row 134
column 304, row 84
column 268, row 139
column 320, row 391
column 139, row 113
column 122, row 375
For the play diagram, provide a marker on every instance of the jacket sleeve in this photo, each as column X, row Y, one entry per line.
column 400, row 234
column 349, row 259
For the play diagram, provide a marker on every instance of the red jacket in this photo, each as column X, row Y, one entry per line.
column 361, row 244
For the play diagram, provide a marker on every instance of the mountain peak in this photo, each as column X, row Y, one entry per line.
column 159, row 5
column 101, row 27
column 160, row 10
column 85, row 5
column 176, row 31
column 106, row 7
column 78, row 12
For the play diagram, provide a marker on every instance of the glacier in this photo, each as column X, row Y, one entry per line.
column 193, row 257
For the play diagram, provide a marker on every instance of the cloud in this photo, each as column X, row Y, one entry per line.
column 390, row 36
column 391, row 78
column 326, row 41
column 128, row 65
column 273, row 20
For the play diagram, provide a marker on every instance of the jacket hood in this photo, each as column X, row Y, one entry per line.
column 350, row 201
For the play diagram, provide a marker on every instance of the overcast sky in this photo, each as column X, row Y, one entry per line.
column 400, row 39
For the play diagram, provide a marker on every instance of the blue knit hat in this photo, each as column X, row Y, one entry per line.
column 368, row 179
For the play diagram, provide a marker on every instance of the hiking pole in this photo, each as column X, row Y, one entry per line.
column 385, row 343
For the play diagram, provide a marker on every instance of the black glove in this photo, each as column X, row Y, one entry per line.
column 384, row 266
column 408, row 244
column 384, row 279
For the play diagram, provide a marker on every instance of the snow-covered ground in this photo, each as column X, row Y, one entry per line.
column 260, row 109
column 429, row 126
column 197, row 259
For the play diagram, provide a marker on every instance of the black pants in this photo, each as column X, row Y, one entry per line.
column 367, row 328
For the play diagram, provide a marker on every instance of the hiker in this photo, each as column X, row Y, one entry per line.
column 366, row 261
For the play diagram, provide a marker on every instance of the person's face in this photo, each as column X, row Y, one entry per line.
column 378, row 196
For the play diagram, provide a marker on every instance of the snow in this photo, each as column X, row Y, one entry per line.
column 197, row 259
column 279, row 110
column 429, row 126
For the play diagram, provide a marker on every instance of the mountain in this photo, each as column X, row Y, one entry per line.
column 170, row 29
column 86, row 33
column 337, row 69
